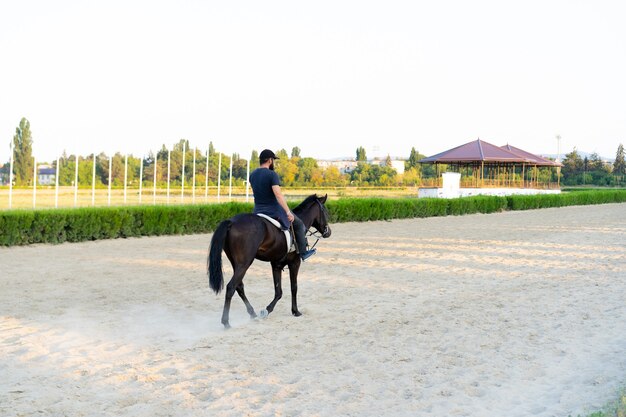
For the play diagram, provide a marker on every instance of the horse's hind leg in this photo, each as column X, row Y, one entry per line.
column 242, row 294
column 278, row 291
column 232, row 286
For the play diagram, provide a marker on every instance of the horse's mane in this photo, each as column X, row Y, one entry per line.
column 306, row 203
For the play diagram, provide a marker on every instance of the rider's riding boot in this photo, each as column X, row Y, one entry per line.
column 300, row 232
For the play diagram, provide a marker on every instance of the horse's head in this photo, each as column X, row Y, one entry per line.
column 314, row 214
column 320, row 222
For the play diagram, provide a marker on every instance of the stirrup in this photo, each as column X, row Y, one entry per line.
column 306, row 255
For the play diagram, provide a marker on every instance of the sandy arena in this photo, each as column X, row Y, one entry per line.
column 509, row 314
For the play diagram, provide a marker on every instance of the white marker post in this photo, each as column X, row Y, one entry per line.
column 76, row 182
column 93, row 182
column 155, row 180
column 168, row 176
column 182, row 184
column 219, row 177
column 193, row 181
column 56, row 187
column 34, row 182
column 230, row 180
column 11, row 176
column 248, row 182
column 206, row 178
column 125, row 175
column 140, row 177
column 110, row 176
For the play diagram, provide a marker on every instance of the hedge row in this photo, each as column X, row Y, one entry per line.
column 22, row 227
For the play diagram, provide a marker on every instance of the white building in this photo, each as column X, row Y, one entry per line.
column 46, row 175
column 346, row 166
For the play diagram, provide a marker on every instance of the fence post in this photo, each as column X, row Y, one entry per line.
column 193, row 181
column 110, row 176
column 125, row 175
column 93, row 182
column 76, row 182
column 206, row 179
column 168, row 176
column 56, row 187
column 155, row 178
column 35, row 183
column 230, row 180
column 219, row 177
column 11, row 176
column 140, row 177
column 182, row 186
column 248, row 182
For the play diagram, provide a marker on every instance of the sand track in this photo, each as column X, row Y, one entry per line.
column 516, row 314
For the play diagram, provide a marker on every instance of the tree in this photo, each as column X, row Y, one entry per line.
column 413, row 158
column 573, row 167
column 254, row 160
column 360, row 154
column 619, row 166
column 23, row 154
column 295, row 152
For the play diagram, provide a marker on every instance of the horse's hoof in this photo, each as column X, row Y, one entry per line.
column 296, row 313
column 263, row 314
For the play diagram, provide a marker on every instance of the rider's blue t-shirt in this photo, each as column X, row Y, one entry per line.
column 265, row 202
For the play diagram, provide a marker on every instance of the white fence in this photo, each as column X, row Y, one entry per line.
column 143, row 195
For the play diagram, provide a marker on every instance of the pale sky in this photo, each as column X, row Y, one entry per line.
column 326, row 76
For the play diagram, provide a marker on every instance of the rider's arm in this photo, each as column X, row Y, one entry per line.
column 281, row 200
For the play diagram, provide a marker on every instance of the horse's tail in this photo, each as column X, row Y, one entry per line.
column 214, row 261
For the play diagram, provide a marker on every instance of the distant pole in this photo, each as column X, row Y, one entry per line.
column 230, row 180
column 140, row 177
column 11, row 175
column 219, row 177
column 110, row 175
column 93, row 182
column 76, row 181
column 155, row 179
column 248, row 181
column 168, row 176
column 125, row 175
column 56, row 187
column 206, row 178
column 182, row 184
column 35, row 182
column 558, row 159
column 193, row 181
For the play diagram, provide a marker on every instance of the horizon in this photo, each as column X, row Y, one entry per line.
column 129, row 77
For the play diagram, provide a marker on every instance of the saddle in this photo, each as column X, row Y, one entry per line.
column 291, row 246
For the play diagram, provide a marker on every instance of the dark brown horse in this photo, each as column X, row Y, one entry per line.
column 247, row 237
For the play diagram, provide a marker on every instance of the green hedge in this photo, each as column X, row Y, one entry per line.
column 23, row 227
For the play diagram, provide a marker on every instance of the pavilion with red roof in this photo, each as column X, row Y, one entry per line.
column 481, row 166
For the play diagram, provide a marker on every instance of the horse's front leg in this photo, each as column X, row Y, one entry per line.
column 293, row 277
column 278, row 290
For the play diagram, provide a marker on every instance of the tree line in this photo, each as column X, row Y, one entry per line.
column 592, row 170
column 294, row 169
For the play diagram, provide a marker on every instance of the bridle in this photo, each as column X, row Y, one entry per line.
column 315, row 233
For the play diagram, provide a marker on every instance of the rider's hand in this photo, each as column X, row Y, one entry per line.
column 290, row 217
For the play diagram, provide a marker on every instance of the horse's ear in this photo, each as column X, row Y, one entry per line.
column 323, row 199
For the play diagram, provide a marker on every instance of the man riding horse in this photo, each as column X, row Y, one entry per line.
column 269, row 200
